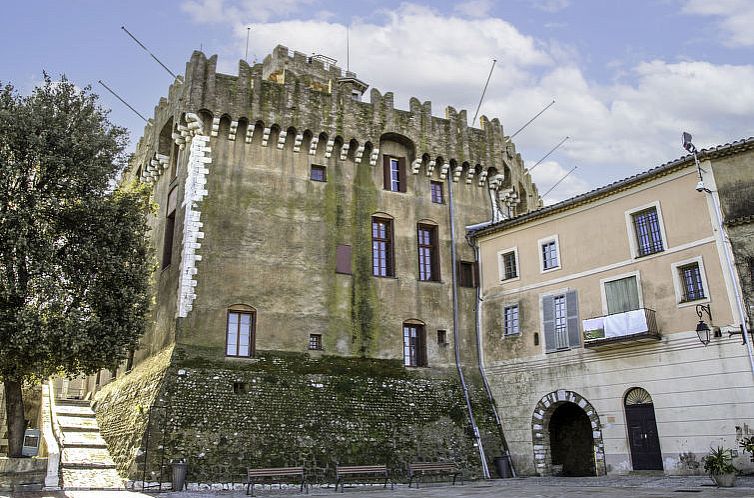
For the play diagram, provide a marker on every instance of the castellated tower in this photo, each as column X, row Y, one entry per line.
column 304, row 291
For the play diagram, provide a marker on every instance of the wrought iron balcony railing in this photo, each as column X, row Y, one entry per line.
column 637, row 325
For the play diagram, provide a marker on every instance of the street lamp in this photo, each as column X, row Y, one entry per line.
column 723, row 240
column 702, row 329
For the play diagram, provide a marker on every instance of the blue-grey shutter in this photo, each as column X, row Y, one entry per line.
column 548, row 322
column 572, row 312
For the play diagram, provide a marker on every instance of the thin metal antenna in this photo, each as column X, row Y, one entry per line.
column 126, row 103
column 348, row 48
column 548, row 154
column 494, row 61
column 558, row 182
column 248, row 32
column 532, row 119
column 150, row 53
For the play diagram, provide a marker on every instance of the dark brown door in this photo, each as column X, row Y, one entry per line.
column 642, row 436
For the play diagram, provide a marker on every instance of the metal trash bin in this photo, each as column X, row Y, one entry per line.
column 503, row 466
column 180, row 469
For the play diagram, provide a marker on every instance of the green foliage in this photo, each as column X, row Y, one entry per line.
column 719, row 461
column 747, row 445
column 74, row 256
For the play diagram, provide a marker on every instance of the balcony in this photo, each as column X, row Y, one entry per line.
column 611, row 331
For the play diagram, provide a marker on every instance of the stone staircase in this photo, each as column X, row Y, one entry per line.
column 85, row 461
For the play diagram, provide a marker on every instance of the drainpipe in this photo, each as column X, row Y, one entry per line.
column 454, row 287
column 480, row 355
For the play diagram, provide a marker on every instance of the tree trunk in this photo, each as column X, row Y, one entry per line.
column 14, row 409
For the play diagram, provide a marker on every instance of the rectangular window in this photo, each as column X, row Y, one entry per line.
column 429, row 269
column 510, row 268
column 622, row 295
column 240, row 334
column 315, row 342
column 318, row 173
column 394, row 173
column 468, row 274
column 510, row 320
column 549, row 251
column 442, row 337
column 647, row 230
column 691, row 282
column 560, row 321
column 167, row 244
column 382, row 247
column 174, row 161
column 414, row 347
column 436, row 193
column 343, row 259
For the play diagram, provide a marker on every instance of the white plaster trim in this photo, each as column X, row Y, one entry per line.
column 194, row 192
column 501, row 266
column 540, row 243
column 601, row 269
column 612, row 278
column 678, row 287
column 632, row 242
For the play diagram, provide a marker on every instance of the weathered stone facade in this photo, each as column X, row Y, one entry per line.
column 231, row 162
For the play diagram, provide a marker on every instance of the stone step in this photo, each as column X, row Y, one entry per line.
column 86, row 479
column 86, row 458
column 78, row 439
column 72, row 402
column 78, row 424
column 74, row 411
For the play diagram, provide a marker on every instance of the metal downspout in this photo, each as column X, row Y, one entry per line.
column 454, row 287
column 480, row 356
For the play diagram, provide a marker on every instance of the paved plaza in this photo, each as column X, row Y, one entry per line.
column 531, row 487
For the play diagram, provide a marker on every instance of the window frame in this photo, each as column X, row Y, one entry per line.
column 416, row 358
column 679, row 286
column 464, row 267
column 316, row 341
column 576, row 334
column 387, row 173
column 434, row 184
column 613, row 278
column 516, row 320
column 318, row 168
column 501, row 264
column 547, row 240
column 633, row 242
column 433, row 252
column 252, row 332
column 389, row 241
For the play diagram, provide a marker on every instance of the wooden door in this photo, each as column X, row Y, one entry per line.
column 643, row 438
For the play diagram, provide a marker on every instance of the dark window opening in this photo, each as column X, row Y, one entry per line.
column 394, row 173
column 442, row 337
column 343, row 259
column 414, row 345
column 648, row 234
column 468, row 274
column 174, row 161
column 429, row 269
column 536, row 338
column 240, row 388
column 436, row 193
column 167, row 245
column 318, row 173
column 240, row 333
column 315, row 342
column 382, row 247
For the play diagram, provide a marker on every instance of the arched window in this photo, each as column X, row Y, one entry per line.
column 414, row 344
column 240, row 331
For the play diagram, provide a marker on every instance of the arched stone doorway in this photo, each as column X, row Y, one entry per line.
column 642, row 430
column 566, row 432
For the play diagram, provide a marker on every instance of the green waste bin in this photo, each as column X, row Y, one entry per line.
column 180, row 470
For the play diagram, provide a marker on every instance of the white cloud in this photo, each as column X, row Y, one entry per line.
column 551, row 6
column 474, row 8
column 736, row 18
column 244, row 11
column 549, row 173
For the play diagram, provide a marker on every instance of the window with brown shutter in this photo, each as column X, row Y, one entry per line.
column 343, row 259
column 467, row 274
column 429, row 268
column 394, row 173
column 382, row 247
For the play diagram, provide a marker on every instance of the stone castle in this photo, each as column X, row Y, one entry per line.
column 315, row 296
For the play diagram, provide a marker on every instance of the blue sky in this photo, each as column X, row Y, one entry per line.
column 627, row 77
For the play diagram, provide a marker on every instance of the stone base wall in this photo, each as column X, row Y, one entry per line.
column 22, row 473
column 283, row 409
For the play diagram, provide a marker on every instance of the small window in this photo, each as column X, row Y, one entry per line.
column 315, row 342
column 394, row 173
column 549, row 254
column 318, row 173
column 414, row 345
column 646, row 225
column 442, row 337
column 174, row 161
column 750, row 266
column 509, row 265
column 343, row 259
column 691, row 282
column 468, row 274
column 429, row 268
column 511, row 320
column 382, row 247
column 436, row 193
column 240, row 334
column 167, row 244
column 240, row 388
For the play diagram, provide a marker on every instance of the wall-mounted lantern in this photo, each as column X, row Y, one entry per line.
column 702, row 329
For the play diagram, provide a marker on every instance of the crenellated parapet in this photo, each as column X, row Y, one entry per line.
column 307, row 105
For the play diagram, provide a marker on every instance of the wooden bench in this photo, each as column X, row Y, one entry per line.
column 361, row 473
column 417, row 470
column 274, row 476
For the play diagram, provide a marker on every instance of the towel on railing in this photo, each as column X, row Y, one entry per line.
column 626, row 323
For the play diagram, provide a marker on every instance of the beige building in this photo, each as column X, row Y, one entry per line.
column 590, row 311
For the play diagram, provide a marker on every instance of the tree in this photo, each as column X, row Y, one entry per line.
column 74, row 255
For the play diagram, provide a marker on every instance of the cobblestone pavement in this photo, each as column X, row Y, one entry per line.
column 531, row 487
